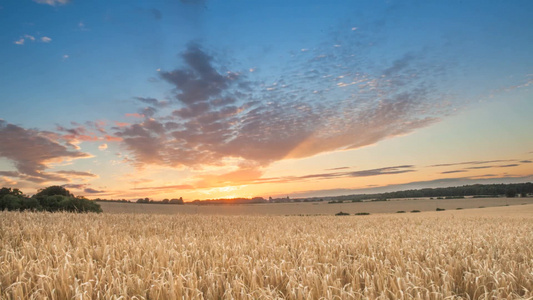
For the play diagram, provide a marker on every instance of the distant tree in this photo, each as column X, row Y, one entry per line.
column 176, row 201
column 165, row 201
column 510, row 193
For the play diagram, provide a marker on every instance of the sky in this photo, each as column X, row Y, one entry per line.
column 206, row 99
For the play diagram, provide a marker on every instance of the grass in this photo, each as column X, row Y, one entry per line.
column 422, row 256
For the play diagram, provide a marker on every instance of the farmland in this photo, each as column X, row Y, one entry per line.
column 472, row 253
column 315, row 208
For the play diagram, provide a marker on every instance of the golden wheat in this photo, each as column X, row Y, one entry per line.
column 141, row 256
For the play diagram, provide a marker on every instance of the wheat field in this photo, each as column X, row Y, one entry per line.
column 144, row 256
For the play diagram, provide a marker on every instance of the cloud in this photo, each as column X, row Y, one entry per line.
column 493, row 166
column 110, row 138
column 383, row 171
column 195, row 2
column 477, row 162
column 507, row 166
column 76, row 173
column 338, row 168
column 199, row 80
column 453, row 171
column 74, row 186
column 19, row 42
column 135, row 115
column 152, row 101
column 46, row 39
column 399, row 64
column 224, row 114
column 166, row 187
column 32, row 150
column 52, row 2
column 102, row 147
column 9, row 173
column 30, row 37
column 92, row 191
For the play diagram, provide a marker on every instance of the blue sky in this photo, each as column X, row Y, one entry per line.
column 220, row 98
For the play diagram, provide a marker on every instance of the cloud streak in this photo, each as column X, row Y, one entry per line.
column 52, row 2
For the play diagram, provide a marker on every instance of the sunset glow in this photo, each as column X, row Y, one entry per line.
column 214, row 99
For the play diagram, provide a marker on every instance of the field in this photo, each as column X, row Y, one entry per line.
column 313, row 208
column 472, row 254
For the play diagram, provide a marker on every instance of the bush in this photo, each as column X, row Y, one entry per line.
column 440, row 209
column 11, row 202
column 401, row 212
column 79, row 204
column 342, row 214
column 415, row 211
column 31, row 204
column 362, row 214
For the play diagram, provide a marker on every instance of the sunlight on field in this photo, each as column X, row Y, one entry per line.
column 409, row 256
column 315, row 208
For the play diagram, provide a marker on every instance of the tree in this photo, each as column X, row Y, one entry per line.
column 510, row 193
column 54, row 190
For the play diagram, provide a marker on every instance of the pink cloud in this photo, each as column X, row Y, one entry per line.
column 135, row 115
column 122, row 124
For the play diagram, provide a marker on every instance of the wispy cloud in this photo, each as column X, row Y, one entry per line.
column 166, row 187
column 93, row 191
column 31, row 38
column 338, row 168
column 477, row 162
column 453, row 171
column 52, row 2
column 76, row 173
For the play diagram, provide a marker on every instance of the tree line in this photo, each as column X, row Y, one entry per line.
column 53, row 198
column 476, row 190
